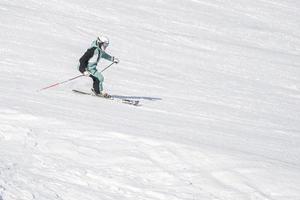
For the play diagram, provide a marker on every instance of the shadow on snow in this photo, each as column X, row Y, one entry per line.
column 136, row 97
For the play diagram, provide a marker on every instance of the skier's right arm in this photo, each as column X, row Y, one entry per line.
column 84, row 60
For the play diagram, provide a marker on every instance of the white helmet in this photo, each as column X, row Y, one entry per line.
column 102, row 42
column 103, row 39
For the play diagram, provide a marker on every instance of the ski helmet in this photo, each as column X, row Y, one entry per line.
column 103, row 39
column 103, row 42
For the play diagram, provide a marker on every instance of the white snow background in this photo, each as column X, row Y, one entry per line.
column 219, row 84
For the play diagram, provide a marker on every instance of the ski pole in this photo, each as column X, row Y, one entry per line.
column 107, row 67
column 56, row 84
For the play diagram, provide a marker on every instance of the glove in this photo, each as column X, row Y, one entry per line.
column 116, row 60
column 86, row 73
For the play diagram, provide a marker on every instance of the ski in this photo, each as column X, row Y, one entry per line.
column 91, row 94
column 125, row 101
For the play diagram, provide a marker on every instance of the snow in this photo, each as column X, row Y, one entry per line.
column 219, row 84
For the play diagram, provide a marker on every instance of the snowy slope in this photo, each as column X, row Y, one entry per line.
column 219, row 83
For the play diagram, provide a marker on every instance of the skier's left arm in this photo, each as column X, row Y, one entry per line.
column 109, row 57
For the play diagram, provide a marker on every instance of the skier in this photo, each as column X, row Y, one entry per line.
column 88, row 63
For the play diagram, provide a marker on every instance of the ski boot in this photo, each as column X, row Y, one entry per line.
column 104, row 95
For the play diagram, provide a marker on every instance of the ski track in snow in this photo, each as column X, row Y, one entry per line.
column 219, row 84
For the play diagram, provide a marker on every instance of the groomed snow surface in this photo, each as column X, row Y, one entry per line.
column 218, row 82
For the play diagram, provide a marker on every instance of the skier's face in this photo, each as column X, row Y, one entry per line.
column 104, row 46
